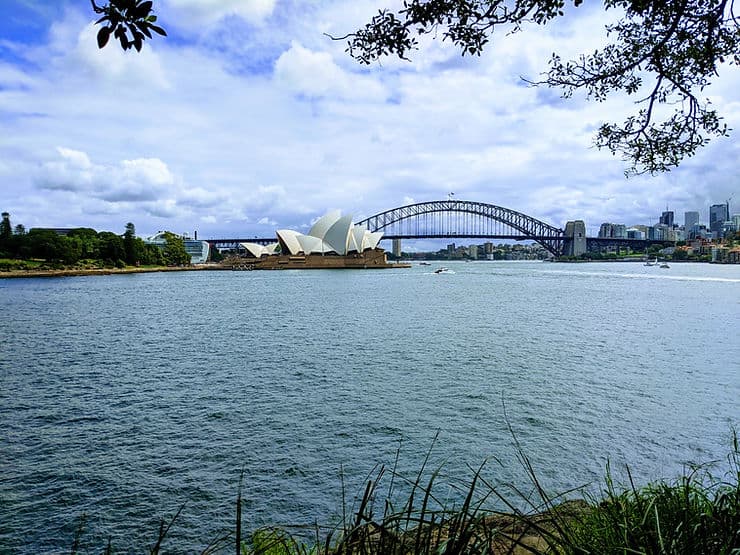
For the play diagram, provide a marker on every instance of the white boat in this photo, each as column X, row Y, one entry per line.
column 651, row 262
column 664, row 265
column 442, row 270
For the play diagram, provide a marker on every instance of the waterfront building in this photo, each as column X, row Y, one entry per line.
column 613, row 231
column 672, row 234
column 698, row 231
column 635, row 233
column 64, row 231
column 736, row 222
column 332, row 242
column 720, row 253
column 657, row 232
column 728, row 227
column 198, row 250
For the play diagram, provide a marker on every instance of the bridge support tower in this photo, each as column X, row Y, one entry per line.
column 397, row 248
column 575, row 238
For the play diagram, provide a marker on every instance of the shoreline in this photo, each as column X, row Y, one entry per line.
column 74, row 272
column 71, row 272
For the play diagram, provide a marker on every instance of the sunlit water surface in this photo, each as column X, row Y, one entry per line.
column 123, row 397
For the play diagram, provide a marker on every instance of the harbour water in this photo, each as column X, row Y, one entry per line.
column 123, row 397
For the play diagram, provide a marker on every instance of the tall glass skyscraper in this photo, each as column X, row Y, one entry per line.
column 690, row 219
column 717, row 217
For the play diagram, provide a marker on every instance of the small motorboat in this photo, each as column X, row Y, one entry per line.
column 442, row 270
column 664, row 265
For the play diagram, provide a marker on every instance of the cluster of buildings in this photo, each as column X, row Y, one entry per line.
column 668, row 229
column 486, row 251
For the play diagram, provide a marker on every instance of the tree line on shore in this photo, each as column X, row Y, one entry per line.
column 86, row 244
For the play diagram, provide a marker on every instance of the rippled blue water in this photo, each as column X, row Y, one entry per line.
column 122, row 397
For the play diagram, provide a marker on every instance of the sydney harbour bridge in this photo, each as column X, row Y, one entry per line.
column 461, row 219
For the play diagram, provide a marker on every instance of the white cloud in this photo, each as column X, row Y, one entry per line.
column 113, row 64
column 129, row 181
column 314, row 74
column 207, row 12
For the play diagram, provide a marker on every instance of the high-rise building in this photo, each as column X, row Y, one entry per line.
column 717, row 217
column 666, row 218
column 690, row 219
column 613, row 231
column 659, row 232
column 690, row 224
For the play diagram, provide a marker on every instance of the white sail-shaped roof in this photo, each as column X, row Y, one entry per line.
column 257, row 250
column 332, row 233
column 371, row 240
column 253, row 248
column 355, row 239
column 289, row 241
column 313, row 245
column 323, row 224
column 337, row 235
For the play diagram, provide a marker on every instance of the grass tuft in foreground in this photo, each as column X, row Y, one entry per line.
column 697, row 514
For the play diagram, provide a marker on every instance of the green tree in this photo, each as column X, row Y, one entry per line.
column 151, row 255
column 665, row 52
column 50, row 246
column 131, row 246
column 680, row 254
column 88, row 241
column 174, row 252
column 216, row 255
column 6, row 231
column 131, row 22
column 111, row 247
column 17, row 245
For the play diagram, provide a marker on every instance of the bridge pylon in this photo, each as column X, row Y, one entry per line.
column 575, row 238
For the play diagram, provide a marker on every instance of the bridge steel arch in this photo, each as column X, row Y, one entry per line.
column 443, row 219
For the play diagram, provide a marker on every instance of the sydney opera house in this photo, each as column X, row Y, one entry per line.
column 332, row 242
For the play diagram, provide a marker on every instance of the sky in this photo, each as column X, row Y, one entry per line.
column 248, row 118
